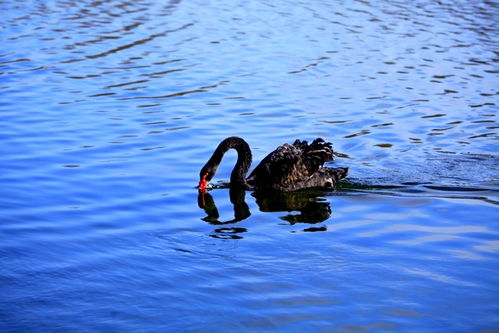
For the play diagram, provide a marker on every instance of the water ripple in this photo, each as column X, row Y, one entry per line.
column 109, row 109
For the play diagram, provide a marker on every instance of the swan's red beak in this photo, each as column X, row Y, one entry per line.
column 203, row 182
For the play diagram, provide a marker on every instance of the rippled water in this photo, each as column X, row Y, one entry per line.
column 109, row 109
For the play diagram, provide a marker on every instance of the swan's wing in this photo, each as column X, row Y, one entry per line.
column 276, row 166
column 290, row 165
column 316, row 154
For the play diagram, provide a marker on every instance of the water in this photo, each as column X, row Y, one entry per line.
column 109, row 109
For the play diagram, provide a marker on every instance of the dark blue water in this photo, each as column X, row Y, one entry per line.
column 109, row 109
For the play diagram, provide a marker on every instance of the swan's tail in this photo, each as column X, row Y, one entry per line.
column 331, row 176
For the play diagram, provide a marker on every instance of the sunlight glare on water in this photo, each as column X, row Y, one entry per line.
column 108, row 110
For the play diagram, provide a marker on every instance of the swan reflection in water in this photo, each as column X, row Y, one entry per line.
column 310, row 205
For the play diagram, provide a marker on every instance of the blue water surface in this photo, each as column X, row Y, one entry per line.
column 108, row 110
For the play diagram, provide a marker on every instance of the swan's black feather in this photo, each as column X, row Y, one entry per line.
column 297, row 166
column 288, row 168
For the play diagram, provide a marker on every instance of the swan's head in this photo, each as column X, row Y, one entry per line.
column 205, row 175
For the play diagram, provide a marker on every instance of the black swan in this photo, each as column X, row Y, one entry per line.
column 288, row 168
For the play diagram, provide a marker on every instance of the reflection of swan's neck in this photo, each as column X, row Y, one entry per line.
column 241, row 209
column 238, row 175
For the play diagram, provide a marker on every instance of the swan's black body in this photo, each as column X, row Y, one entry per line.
column 288, row 168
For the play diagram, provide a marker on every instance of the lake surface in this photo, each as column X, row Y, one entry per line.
column 108, row 110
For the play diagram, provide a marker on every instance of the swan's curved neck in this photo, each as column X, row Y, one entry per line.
column 238, row 175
